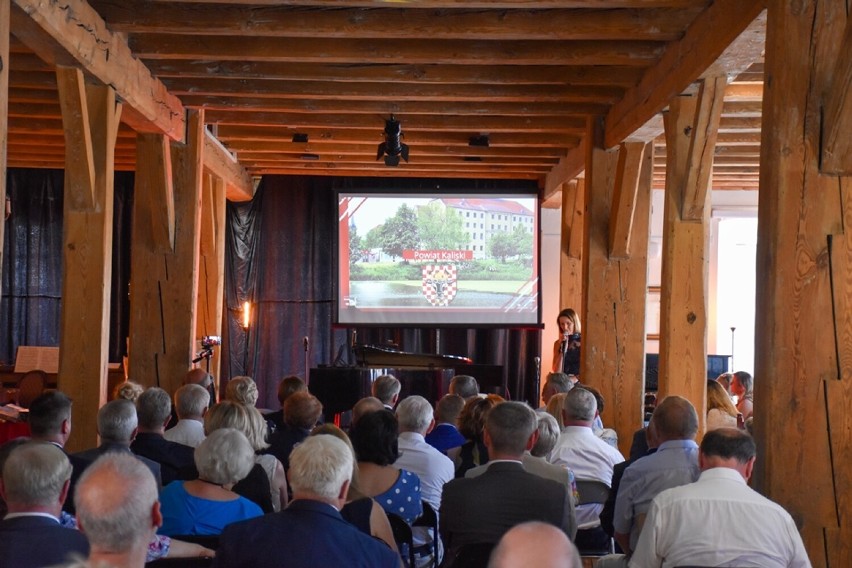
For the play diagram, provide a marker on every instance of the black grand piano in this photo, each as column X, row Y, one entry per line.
column 424, row 374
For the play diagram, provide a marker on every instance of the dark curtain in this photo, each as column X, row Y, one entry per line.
column 30, row 307
column 280, row 257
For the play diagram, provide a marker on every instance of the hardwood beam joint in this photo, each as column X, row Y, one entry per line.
column 219, row 161
column 701, row 148
column 154, row 157
column 631, row 157
column 837, row 113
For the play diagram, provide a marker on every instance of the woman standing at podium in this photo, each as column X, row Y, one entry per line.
column 566, row 349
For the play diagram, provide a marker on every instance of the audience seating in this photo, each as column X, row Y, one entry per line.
column 429, row 519
column 472, row 555
column 403, row 537
column 593, row 492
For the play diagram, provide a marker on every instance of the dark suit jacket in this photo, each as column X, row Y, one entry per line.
column 481, row 509
column 86, row 457
column 282, row 442
column 176, row 461
column 311, row 534
column 33, row 542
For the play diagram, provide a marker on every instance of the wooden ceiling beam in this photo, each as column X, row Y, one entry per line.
column 257, row 148
column 567, row 169
column 683, row 61
column 464, row 4
column 386, row 107
column 410, row 123
column 391, row 92
column 398, row 51
column 222, row 164
column 310, row 169
column 394, row 22
column 418, row 159
column 494, row 74
column 72, row 33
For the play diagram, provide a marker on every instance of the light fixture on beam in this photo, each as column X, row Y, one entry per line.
column 300, row 137
column 481, row 141
column 392, row 148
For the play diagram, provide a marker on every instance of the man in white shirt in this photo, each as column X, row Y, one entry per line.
column 191, row 402
column 719, row 520
column 580, row 450
column 434, row 469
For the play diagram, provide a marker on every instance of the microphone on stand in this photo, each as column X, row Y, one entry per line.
column 305, row 342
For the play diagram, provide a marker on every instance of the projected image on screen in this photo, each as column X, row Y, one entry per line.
column 443, row 260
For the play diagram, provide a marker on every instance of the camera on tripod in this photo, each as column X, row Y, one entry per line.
column 209, row 341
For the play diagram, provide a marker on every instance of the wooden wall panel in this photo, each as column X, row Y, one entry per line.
column 571, row 257
column 613, row 354
column 802, row 394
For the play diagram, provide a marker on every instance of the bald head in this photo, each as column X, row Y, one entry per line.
column 675, row 419
column 535, row 544
column 198, row 377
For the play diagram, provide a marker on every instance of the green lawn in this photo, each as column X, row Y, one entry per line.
column 500, row 286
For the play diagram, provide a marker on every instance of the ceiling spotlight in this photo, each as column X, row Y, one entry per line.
column 309, row 156
column 481, row 141
column 392, row 148
column 299, row 137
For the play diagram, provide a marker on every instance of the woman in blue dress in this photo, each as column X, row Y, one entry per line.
column 375, row 440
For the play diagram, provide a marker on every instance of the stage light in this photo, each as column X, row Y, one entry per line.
column 392, row 148
column 299, row 137
column 246, row 315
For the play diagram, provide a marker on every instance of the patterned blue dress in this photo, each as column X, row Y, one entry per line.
column 403, row 497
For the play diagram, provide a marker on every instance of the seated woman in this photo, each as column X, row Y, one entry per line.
column 360, row 510
column 249, row 421
column 472, row 425
column 554, row 408
column 721, row 412
column 374, row 438
column 205, row 506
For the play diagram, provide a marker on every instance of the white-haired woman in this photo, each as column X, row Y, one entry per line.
column 207, row 505
column 249, row 421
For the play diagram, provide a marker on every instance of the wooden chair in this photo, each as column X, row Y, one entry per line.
column 429, row 519
column 30, row 387
column 403, row 537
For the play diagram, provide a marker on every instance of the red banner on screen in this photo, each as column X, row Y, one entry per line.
column 443, row 255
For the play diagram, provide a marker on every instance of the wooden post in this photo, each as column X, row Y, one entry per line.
column 571, row 265
column 90, row 117
column 803, row 358
column 613, row 352
column 211, row 285
column 691, row 125
column 4, row 116
column 164, row 279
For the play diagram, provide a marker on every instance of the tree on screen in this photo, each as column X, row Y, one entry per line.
column 516, row 243
column 400, row 232
column 440, row 228
column 355, row 245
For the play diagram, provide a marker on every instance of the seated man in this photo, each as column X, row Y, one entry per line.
column 289, row 385
column 465, row 386
column 154, row 409
column 118, row 510
column 535, row 544
column 675, row 463
column 302, row 411
column 719, row 520
column 34, row 484
column 480, row 510
column 587, row 455
column 445, row 435
column 191, row 402
column 117, row 426
column 386, row 388
column 555, row 384
column 312, row 528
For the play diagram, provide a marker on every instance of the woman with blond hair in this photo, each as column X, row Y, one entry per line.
column 248, row 420
column 721, row 412
column 554, row 408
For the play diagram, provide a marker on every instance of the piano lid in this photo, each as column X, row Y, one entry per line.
column 375, row 356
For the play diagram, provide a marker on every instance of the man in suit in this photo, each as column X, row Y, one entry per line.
column 153, row 409
column 35, row 482
column 386, row 388
column 480, row 510
column 312, row 528
column 117, row 424
column 118, row 510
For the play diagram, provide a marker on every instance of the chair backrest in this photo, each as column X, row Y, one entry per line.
column 591, row 491
column 429, row 519
column 473, row 555
column 30, row 387
column 402, row 535
column 193, row 562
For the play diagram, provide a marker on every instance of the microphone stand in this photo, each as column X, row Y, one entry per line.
column 306, row 343
column 733, row 329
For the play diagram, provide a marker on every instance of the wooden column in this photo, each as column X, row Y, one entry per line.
column 164, row 264
column 211, row 286
column 4, row 116
column 571, row 257
column 803, row 347
column 691, row 125
column 90, row 118
column 613, row 353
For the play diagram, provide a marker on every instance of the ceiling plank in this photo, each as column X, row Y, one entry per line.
column 393, row 22
column 71, row 32
column 683, row 62
column 435, row 4
column 397, row 51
